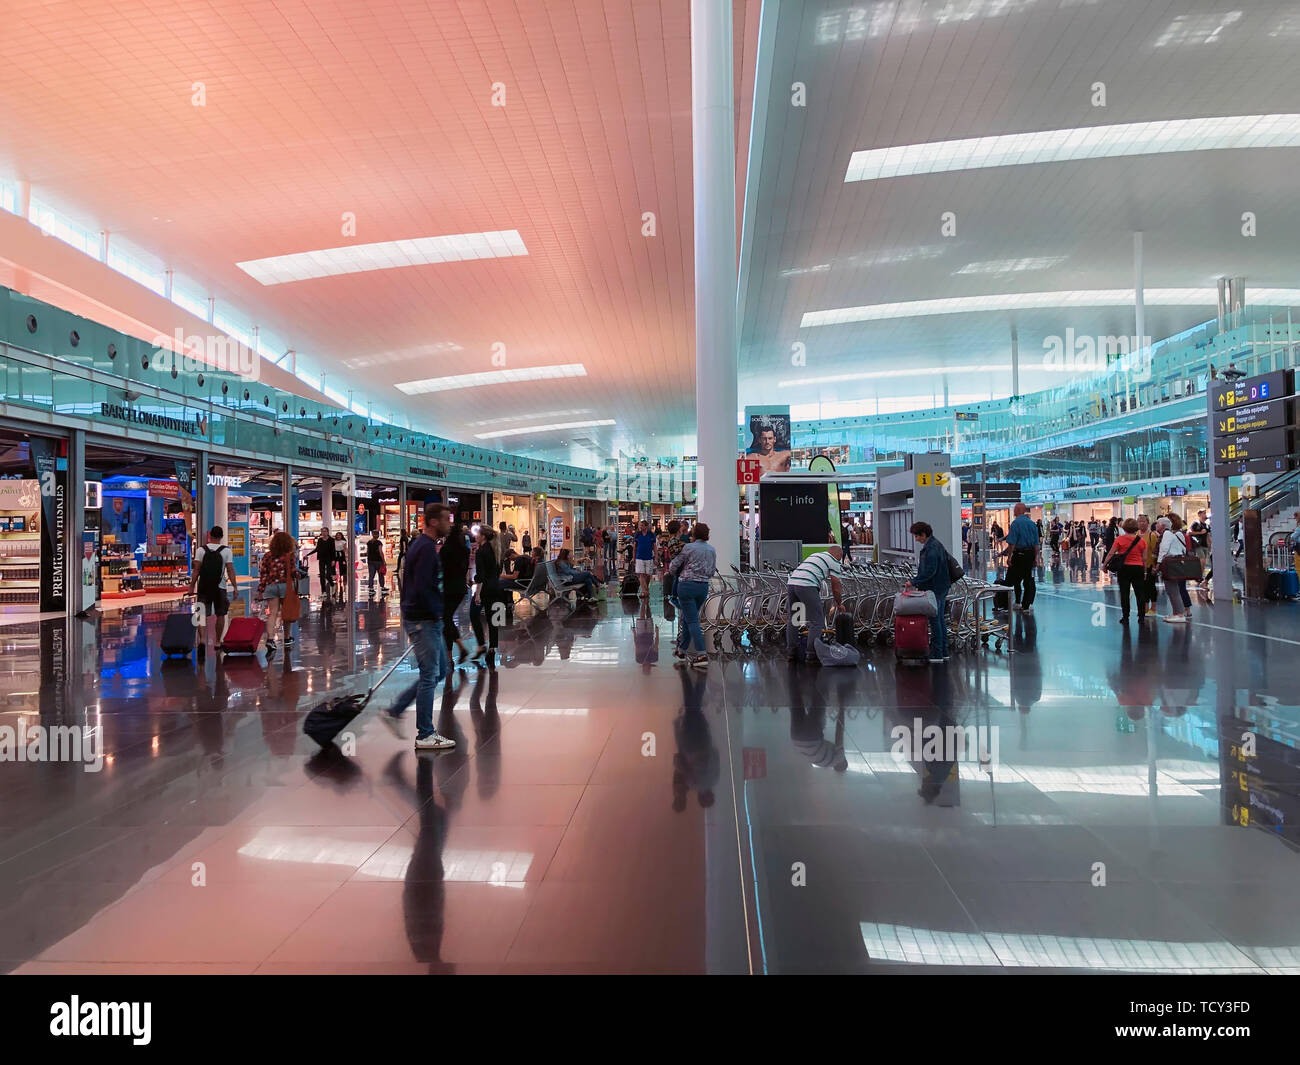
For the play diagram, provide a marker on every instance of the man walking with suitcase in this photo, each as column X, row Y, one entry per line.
column 214, row 580
column 1022, row 543
column 422, row 608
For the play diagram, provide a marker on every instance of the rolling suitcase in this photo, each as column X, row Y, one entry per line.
column 844, row 631
column 243, row 635
column 631, row 585
column 332, row 716
column 178, row 635
column 911, row 637
column 1288, row 583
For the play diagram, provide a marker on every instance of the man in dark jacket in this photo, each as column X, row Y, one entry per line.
column 932, row 576
column 377, row 564
column 422, row 619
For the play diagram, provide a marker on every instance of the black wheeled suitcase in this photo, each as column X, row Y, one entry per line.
column 631, row 585
column 334, row 715
column 178, row 635
column 844, row 631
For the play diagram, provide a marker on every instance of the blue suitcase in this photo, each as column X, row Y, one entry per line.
column 1283, row 584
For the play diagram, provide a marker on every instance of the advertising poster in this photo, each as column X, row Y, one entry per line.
column 89, row 569
column 769, row 437
column 52, row 476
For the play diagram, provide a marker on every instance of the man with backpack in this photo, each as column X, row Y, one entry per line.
column 214, row 583
column 377, row 564
column 1293, row 541
column 1199, row 532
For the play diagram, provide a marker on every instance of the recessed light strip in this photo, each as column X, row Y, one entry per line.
column 554, row 427
column 385, row 255
column 491, row 377
column 1087, row 142
column 1027, row 301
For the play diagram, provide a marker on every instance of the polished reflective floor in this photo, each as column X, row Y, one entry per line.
column 605, row 812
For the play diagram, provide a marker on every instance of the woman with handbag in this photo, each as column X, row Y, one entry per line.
column 1127, row 560
column 1176, row 562
column 278, row 587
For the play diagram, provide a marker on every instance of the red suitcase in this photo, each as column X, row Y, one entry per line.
column 243, row 636
column 912, row 636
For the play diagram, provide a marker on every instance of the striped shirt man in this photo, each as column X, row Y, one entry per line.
column 813, row 571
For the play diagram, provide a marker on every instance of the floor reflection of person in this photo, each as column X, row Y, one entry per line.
column 424, row 890
column 697, row 764
column 645, row 637
column 487, row 733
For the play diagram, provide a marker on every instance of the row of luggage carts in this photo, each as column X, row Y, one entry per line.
column 746, row 610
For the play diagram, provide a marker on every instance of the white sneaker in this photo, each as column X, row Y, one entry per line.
column 1174, row 618
column 433, row 742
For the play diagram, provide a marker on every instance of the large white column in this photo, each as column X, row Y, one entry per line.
column 716, row 395
column 1139, row 306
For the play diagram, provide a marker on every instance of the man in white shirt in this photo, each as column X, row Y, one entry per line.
column 803, row 597
column 215, row 584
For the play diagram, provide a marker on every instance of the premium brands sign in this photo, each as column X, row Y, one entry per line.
column 121, row 413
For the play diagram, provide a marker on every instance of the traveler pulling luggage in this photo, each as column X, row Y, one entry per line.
column 332, row 716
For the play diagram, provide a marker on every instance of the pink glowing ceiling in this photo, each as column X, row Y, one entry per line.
column 385, row 110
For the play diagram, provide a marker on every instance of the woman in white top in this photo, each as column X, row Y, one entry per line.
column 1173, row 543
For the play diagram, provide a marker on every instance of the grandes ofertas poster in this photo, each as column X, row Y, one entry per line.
column 769, row 437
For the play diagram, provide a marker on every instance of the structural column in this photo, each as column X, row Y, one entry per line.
column 1015, row 364
column 1139, row 306
column 716, row 396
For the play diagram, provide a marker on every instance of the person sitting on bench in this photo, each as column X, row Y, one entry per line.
column 565, row 571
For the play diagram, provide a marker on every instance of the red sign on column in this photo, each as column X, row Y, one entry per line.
column 754, row 760
column 748, row 471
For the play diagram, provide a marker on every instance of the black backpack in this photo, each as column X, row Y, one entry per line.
column 210, row 572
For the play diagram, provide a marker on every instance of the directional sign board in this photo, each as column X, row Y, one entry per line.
column 1276, row 385
column 1253, row 417
column 1270, row 443
column 1273, row 464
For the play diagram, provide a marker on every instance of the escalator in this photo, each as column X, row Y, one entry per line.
column 1283, row 490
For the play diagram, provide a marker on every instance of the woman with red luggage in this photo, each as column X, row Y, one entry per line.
column 278, row 568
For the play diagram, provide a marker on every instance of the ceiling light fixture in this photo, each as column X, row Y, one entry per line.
column 385, row 255
column 1086, row 142
column 557, row 426
column 1028, row 301
column 491, row 377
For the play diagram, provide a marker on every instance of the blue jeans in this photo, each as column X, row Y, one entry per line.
column 939, row 629
column 691, row 596
column 431, row 654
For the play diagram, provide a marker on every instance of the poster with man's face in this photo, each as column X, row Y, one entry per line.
column 770, row 439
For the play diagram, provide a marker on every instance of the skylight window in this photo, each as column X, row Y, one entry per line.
column 523, row 430
column 385, row 255
column 1088, row 142
column 491, row 377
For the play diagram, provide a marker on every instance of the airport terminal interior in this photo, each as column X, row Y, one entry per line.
column 649, row 487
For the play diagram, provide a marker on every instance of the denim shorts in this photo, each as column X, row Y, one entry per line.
column 276, row 591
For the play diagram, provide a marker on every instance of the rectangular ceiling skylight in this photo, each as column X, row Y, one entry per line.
column 1087, row 142
column 491, row 377
column 1012, row 266
column 385, row 255
column 553, row 427
column 1026, row 301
